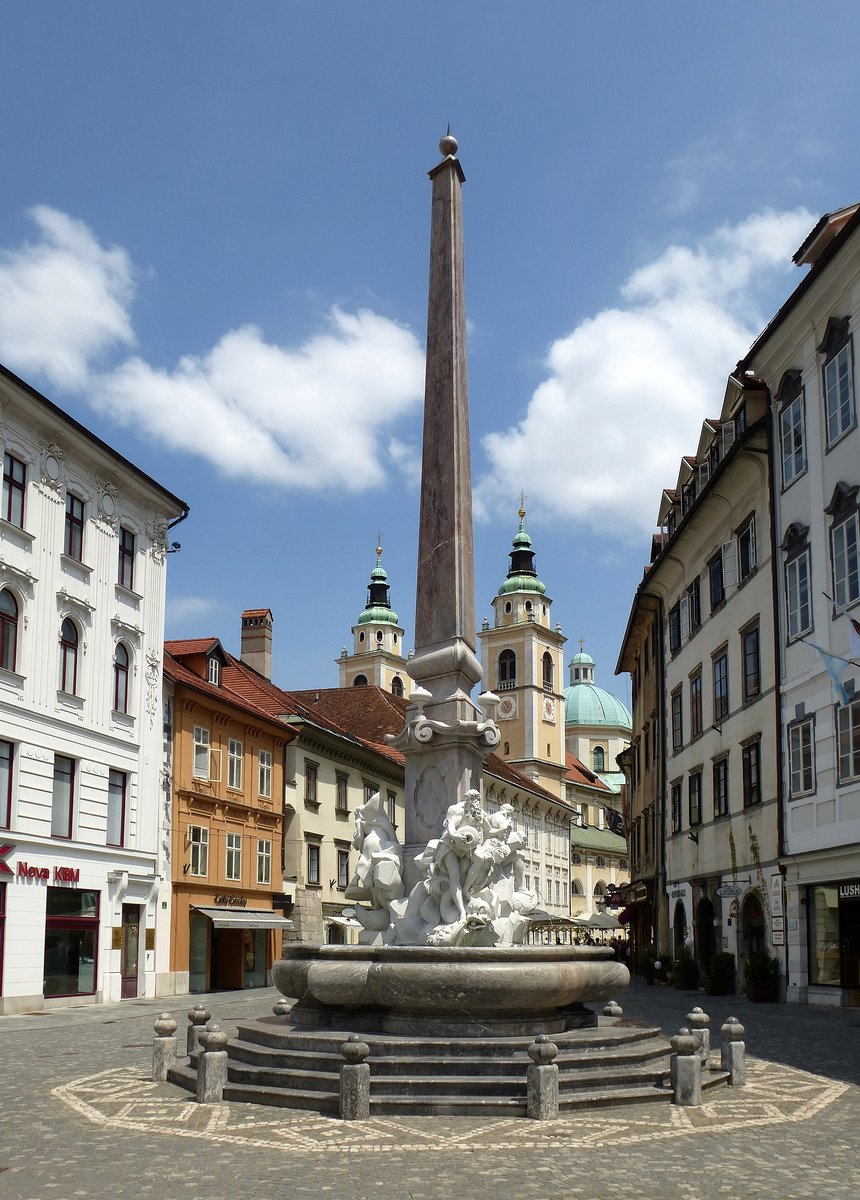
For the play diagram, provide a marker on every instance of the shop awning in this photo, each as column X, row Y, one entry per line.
column 245, row 918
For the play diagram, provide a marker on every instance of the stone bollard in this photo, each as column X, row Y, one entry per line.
column 355, row 1080
column 733, row 1052
column 197, row 1018
column 699, row 1024
column 211, row 1065
column 613, row 1009
column 281, row 1008
column 686, row 1069
column 542, row 1080
column 163, row 1046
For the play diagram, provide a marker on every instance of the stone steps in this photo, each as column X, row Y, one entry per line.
column 279, row 1035
column 568, row 1060
column 274, row 1064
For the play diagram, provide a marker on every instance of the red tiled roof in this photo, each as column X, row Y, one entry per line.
column 364, row 714
column 257, row 612
column 180, row 649
column 180, row 674
column 578, row 772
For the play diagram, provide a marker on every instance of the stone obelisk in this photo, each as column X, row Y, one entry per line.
column 447, row 735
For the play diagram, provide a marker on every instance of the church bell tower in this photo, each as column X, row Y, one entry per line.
column 521, row 654
column 377, row 654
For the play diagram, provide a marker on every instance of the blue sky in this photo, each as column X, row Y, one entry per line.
column 213, row 250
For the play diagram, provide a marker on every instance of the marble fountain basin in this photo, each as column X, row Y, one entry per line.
column 508, row 989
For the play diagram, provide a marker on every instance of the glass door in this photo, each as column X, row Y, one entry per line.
column 130, row 950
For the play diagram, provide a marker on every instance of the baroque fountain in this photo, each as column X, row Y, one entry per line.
column 444, row 996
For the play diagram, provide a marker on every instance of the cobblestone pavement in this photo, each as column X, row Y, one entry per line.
column 81, row 1118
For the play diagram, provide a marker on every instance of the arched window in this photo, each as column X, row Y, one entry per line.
column 360, row 681
column 507, row 748
column 547, row 672
column 120, row 678
column 576, row 888
column 507, row 670
column 69, row 657
column 600, row 862
column 599, row 890
column 576, row 859
column 397, row 686
column 8, row 630
column 598, row 759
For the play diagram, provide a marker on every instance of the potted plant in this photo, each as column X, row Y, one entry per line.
column 685, row 973
column 655, row 966
column 721, row 974
column 760, row 976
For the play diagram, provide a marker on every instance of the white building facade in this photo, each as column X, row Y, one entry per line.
column 83, row 543
column 807, row 357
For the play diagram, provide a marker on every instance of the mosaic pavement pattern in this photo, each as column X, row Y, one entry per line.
column 123, row 1098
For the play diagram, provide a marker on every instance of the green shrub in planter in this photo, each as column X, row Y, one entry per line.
column 721, row 974
column 685, row 973
column 648, row 961
column 760, row 971
column 760, row 965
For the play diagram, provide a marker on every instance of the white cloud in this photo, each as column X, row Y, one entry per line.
column 307, row 417
column 627, row 390
column 63, row 300
column 406, row 456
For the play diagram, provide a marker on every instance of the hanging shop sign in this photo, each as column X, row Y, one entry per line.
column 729, row 891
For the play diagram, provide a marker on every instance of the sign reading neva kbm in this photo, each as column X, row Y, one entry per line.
column 61, row 874
column 23, row 870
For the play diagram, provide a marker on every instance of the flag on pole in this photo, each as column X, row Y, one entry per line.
column 835, row 668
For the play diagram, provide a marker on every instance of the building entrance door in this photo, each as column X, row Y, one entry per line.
column 130, row 950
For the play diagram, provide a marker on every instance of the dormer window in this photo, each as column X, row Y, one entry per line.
column 213, row 670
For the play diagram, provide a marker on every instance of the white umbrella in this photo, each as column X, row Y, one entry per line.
column 597, row 920
column 603, row 920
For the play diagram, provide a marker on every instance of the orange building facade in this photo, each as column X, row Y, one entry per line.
column 226, row 759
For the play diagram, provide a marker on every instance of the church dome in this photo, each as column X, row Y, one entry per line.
column 587, row 704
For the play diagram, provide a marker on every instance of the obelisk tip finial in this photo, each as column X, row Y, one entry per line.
column 448, row 144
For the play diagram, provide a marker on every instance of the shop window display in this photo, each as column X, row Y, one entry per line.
column 71, row 941
column 823, row 918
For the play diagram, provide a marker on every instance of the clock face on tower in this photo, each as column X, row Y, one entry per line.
column 549, row 709
column 507, row 708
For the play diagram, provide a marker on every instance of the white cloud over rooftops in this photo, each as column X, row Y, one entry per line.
column 627, row 390
column 64, row 300
column 314, row 415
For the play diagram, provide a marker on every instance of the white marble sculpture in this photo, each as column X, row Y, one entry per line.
column 470, row 888
column 378, row 877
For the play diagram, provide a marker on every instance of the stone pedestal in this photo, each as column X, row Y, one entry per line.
column 212, row 1065
column 542, row 1080
column 355, row 1081
column 197, row 1018
column 733, row 1052
column 698, row 1022
column 163, row 1047
column 686, row 1069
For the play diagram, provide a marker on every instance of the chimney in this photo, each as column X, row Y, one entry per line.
column 257, row 640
